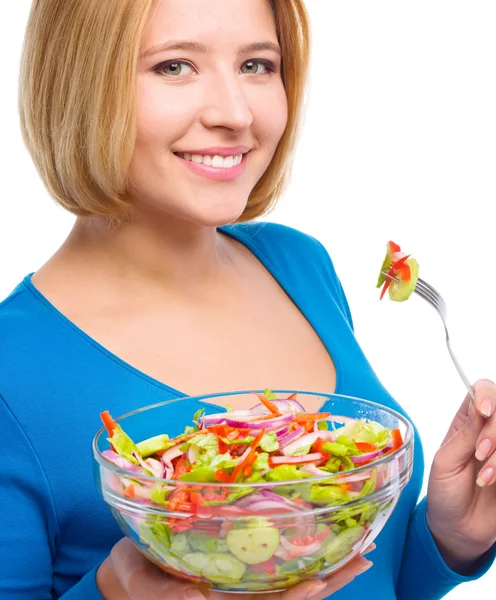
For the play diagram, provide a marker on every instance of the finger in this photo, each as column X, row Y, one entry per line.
column 141, row 579
column 459, row 445
column 485, row 397
column 370, row 548
column 318, row 590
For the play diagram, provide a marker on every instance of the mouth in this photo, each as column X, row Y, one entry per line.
column 213, row 160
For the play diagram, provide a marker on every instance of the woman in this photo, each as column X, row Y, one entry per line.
column 159, row 124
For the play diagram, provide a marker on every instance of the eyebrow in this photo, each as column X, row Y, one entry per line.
column 201, row 48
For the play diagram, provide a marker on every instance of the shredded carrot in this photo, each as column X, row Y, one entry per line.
column 268, row 404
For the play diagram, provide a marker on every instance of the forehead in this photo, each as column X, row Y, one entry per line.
column 216, row 22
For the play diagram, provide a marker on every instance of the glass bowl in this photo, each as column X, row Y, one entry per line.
column 254, row 537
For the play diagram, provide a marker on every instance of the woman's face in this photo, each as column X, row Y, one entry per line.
column 210, row 95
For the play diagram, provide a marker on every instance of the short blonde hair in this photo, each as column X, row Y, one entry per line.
column 77, row 100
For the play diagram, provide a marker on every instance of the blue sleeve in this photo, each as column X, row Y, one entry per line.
column 423, row 573
column 28, row 522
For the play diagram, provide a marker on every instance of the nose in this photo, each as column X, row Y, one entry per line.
column 226, row 104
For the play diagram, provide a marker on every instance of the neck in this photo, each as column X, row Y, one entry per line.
column 169, row 253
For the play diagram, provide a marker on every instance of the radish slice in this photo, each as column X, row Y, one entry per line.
column 297, row 551
column 266, row 424
column 291, row 437
column 295, row 460
column 169, row 455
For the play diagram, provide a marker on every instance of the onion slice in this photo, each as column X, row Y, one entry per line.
column 309, row 440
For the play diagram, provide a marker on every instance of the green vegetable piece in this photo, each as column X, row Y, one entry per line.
column 342, row 544
column 386, row 264
column 153, row 445
column 202, row 542
column 253, row 546
column 124, row 445
column 269, row 394
column 179, row 544
column 335, row 449
column 218, row 567
column 399, row 292
column 269, row 442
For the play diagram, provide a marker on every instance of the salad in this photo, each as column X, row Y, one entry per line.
column 402, row 274
column 209, row 506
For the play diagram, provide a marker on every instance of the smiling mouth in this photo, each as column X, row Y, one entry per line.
column 216, row 161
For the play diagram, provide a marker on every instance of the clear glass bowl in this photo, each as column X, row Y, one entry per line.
column 276, row 534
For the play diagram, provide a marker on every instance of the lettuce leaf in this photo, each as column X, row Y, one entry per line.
column 269, row 442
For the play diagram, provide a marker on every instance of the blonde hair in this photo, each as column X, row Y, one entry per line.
column 77, row 100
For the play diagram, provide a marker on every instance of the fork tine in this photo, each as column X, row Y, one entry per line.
column 429, row 287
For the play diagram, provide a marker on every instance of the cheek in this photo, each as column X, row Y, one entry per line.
column 271, row 116
column 158, row 120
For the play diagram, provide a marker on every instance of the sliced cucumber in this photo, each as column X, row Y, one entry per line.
column 153, row 445
column 385, row 266
column 219, row 567
column 342, row 544
column 253, row 546
column 399, row 292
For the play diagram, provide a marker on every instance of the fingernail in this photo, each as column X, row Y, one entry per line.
column 483, row 450
column 365, row 567
column 192, row 594
column 487, row 407
column 316, row 589
column 485, row 477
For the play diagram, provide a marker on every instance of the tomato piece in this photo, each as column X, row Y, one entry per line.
column 222, row 476
column 178, row 497
column 317, row 447
column 181, row 468
column 398, row 440
column 394, row 247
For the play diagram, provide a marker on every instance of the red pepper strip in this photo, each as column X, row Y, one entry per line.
column 222, row 476
column 268, row 404
column 394, row 247
column 311, row 416
column 129, row 492
column 345, row 487
column 292, row 396
column 387, row 283
column 248, row 470
column 398, row 440
column 243, row 463
column 365, row 447
column 110, row 424
column 180, row 469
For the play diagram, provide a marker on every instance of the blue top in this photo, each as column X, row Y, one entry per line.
column 55, row 380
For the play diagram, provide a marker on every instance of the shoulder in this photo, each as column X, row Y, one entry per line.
column 279, row 241
column 18, row 311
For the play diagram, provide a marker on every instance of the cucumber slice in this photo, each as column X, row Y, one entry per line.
column 153, row 445
column 399, row 292
column 385, row 266
column 342, row 544
column 253, row 546
column 218, row 567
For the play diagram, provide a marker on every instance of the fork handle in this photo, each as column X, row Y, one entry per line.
column 459, row 369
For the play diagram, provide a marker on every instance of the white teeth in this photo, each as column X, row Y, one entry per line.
column 216, row 161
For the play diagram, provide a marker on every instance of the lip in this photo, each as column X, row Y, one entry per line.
column 218, row 150
column 216, row 173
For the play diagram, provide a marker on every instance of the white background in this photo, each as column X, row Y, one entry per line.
column 399, row 143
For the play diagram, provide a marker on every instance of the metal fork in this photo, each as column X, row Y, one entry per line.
column 433, row 297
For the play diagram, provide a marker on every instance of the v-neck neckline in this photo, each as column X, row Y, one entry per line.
column 246, row 241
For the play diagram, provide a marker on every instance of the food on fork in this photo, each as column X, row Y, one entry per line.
column 402, row 274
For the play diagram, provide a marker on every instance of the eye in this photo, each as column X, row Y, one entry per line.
column 253, row 67
column 172, row 68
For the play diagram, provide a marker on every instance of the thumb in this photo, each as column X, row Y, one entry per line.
column 459, row 445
